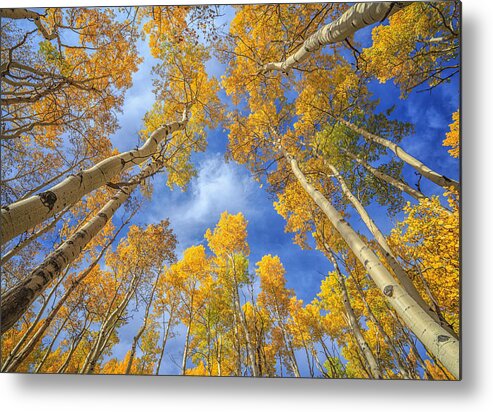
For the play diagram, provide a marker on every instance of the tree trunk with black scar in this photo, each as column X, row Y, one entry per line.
column 375, row 371
column 402, row 369
column 433, row 336
column 420, row 167
column 399, row 272
column 16, row 301
column 17, row 358
column 23, row 215
column 358, row 16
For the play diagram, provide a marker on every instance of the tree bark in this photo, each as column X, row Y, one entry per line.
column 401, row 275
column 358, row 16
column 416, row 194
column 31, row 15
column 20, row 216
column 433, row 336
column 17, row 300
column 52, row 343
column 32, row 326
column 420, row 167
column 17, row 248
column 375, row 371
column 185, row 349
column 402, row 369
column 142, row 328
column 165, row 339
column 108, row 327
column 18, row 358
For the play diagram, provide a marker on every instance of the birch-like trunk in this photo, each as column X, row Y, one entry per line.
column 185, row 349
column 75, row 344
column 416, row 194
column 19, row 357
column 20, row 216
column 243, row 322
column 32, row 191
column 287, row 343
column 17, row 248
column 356, row 17
column 52, row 343
column 375, row 371
column 165, row 339
column 16, row 301
column 19, row 345
column 402, row 369
column 142, row 328
column 433, row 336
column 420, row 167
column 400, row 273
column 108, row 327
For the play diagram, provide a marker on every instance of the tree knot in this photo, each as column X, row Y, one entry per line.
column 48, row 199
column 388, row 290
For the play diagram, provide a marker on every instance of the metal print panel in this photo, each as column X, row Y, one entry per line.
column 262, row 190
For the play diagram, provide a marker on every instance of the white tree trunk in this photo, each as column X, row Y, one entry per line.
column 108, row 327
column 19, row 356
column 376, row 373
column 17, row 300
column 358, row 16
column 20, row 216
column 400, row 273
column 17, row 248
column 419, row 166
column 20, row 343
column 142, row 329
column 416, row 194
column 402, row 369
column 165, row 338
column 433, row 336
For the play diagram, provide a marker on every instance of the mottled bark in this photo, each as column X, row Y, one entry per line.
column 185, row 348
column 19, row 357
column 402, row 368
column 21, row 245
column 17, row 300
column 420, row 167
column 356, row 17
column 416, row 194
column 433, row 336
column 375, row 371
column 20, row 216
column 389, row 256
column 142, row 328
column 19, row 345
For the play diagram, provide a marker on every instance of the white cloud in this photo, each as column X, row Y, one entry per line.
column 219, row 186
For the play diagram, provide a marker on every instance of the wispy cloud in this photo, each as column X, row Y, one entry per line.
column 218, row 186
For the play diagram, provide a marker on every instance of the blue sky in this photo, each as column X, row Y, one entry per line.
column 226, row 186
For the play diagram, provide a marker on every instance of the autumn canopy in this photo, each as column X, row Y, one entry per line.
column 133, row 141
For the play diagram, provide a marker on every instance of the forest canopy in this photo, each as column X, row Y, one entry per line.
column 248, row 190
